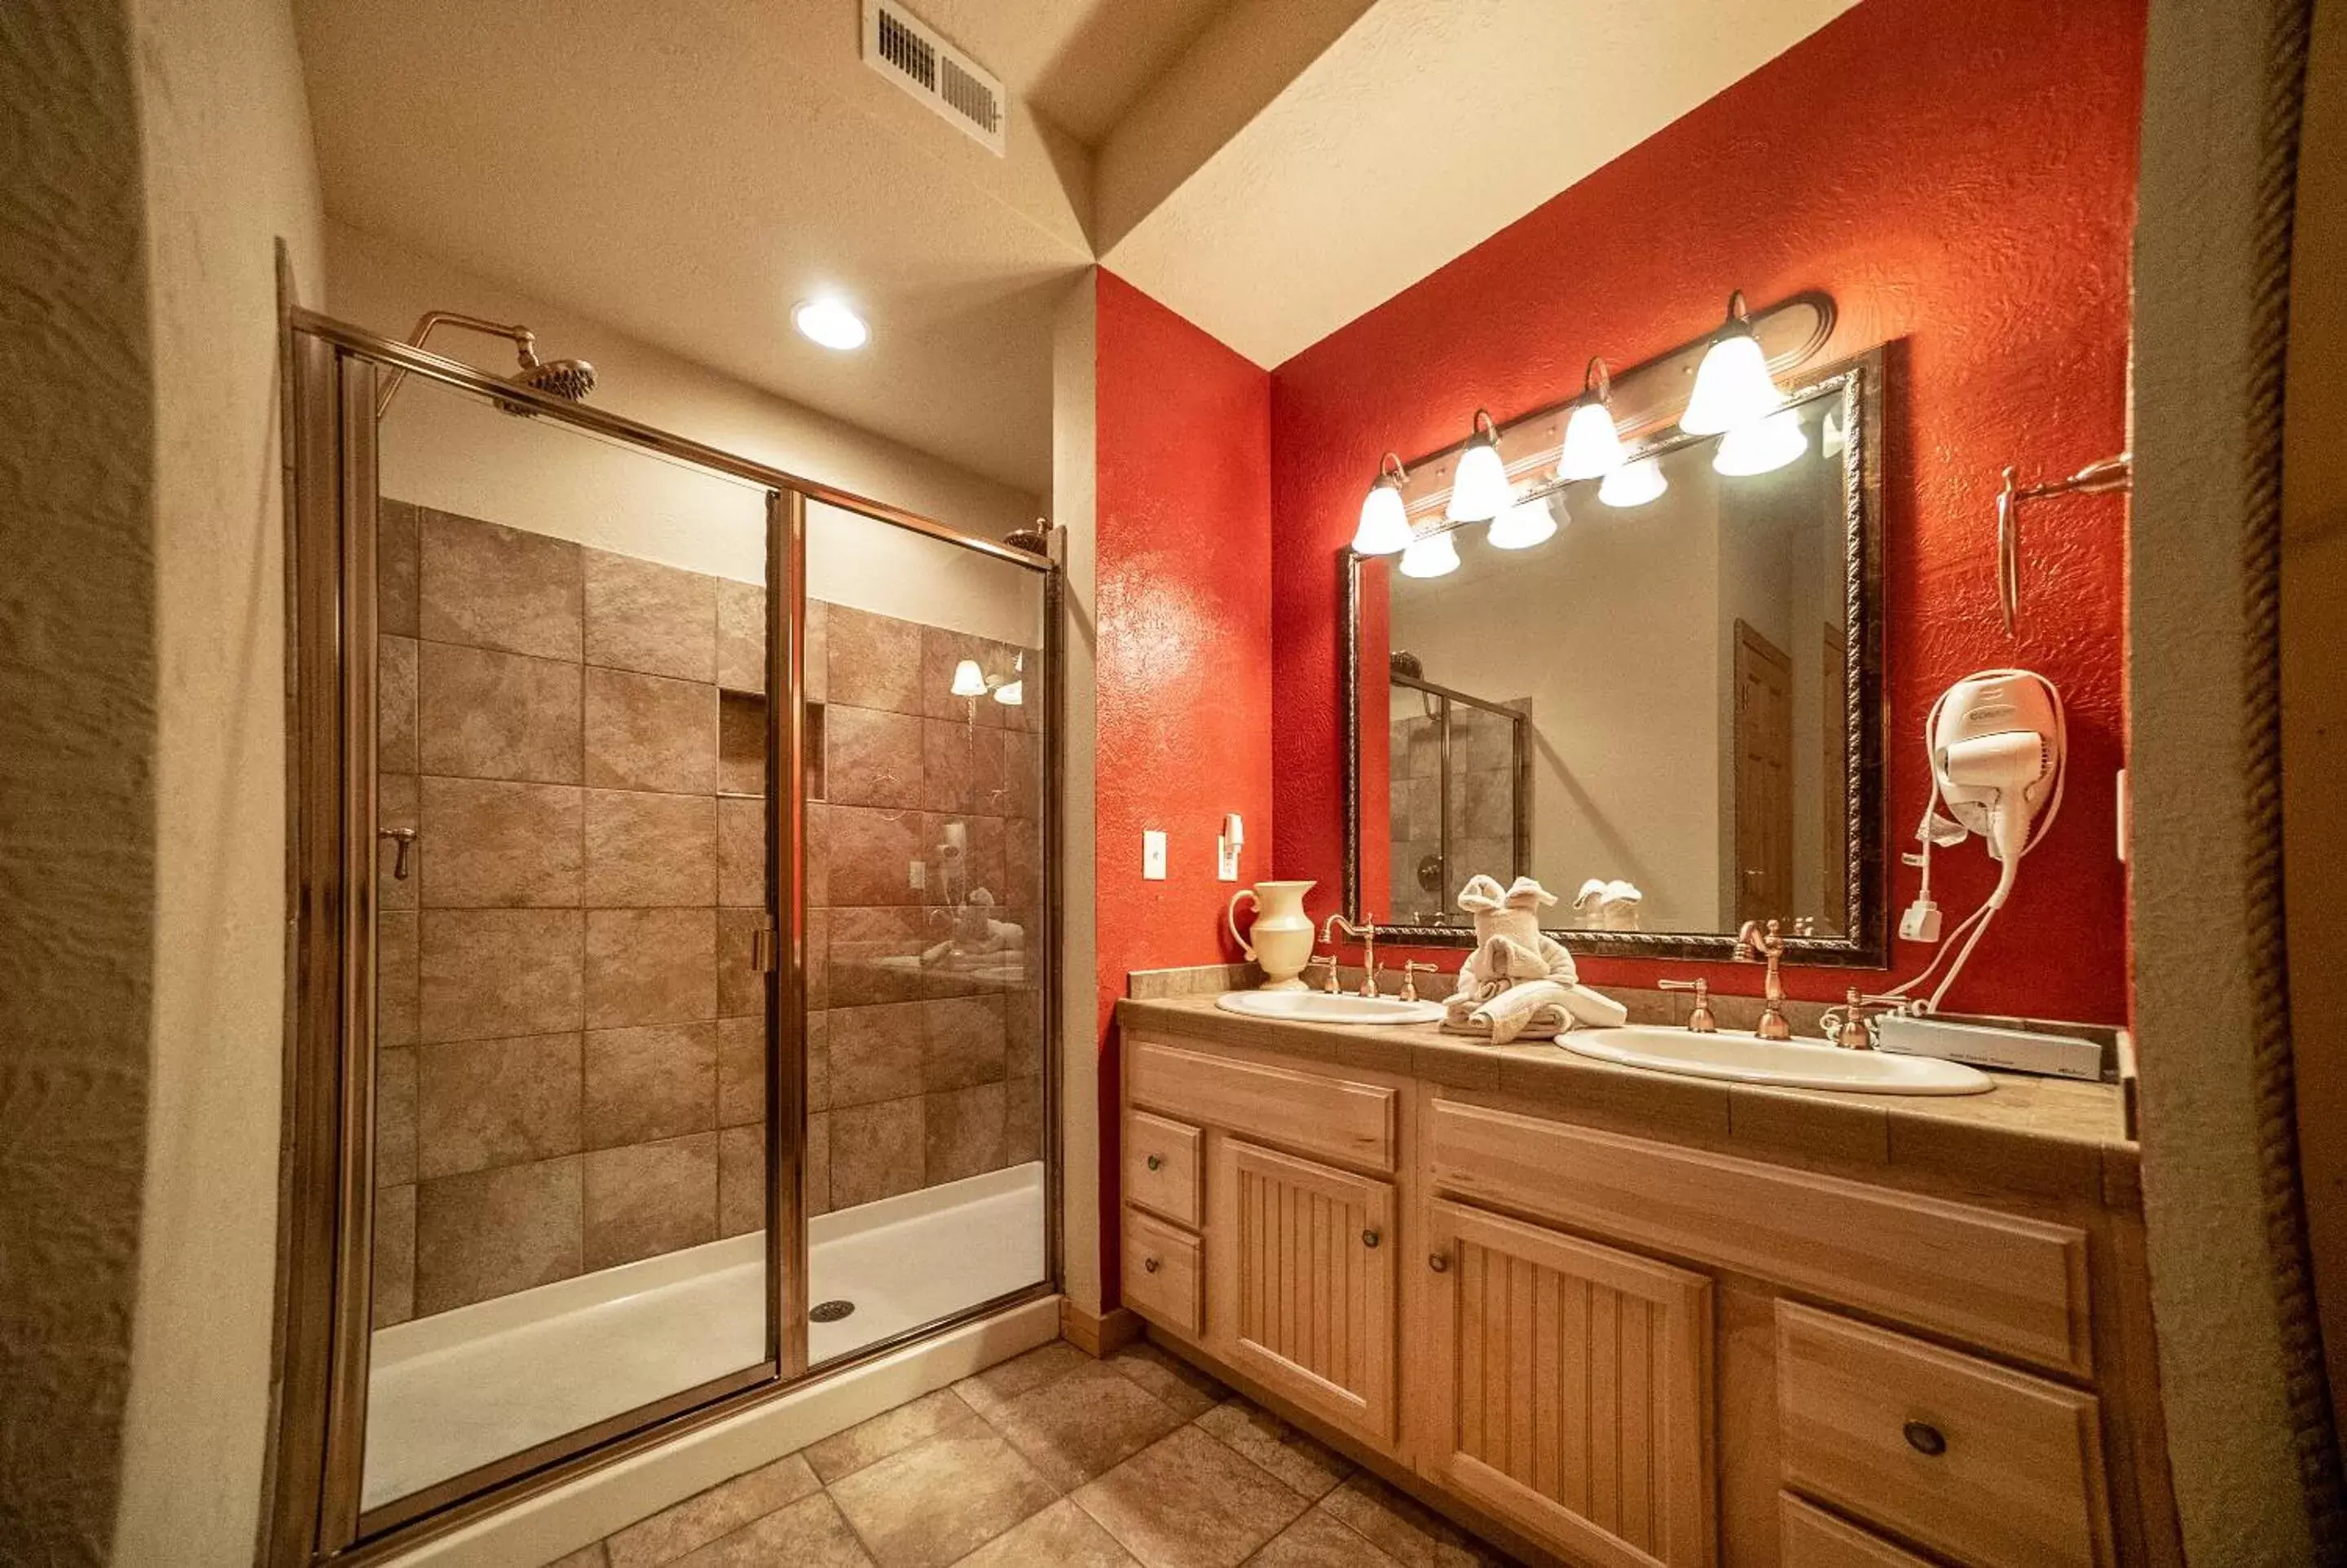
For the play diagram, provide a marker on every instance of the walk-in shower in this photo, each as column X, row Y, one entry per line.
column 675, row 982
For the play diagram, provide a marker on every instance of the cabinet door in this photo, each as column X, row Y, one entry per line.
column 1300, row 1282
column 1570, row 1388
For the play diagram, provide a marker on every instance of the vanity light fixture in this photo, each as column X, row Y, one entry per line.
column 1634, row 484
column 1523, row 525
column 969, row 679
column 1013, row 691
column 1592, row 446
column 1762, row 447
column 1385, row 521
column 1478, row 491
column 1732, row 386
column 831, row 322
column 1436, row 555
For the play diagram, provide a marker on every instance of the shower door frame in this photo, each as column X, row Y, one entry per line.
column 314, row 1513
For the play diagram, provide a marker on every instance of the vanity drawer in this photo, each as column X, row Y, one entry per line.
column 1307, row 1112
column 1986, row 1465
column 1809, row 1537
column 1998, row 1281
column 1162, row 1275
column 1161, row 1167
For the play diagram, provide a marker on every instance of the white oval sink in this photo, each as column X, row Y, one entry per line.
column 1792, row 1063
column 1319, row 1007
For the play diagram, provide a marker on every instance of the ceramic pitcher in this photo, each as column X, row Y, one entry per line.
column 1282, row 933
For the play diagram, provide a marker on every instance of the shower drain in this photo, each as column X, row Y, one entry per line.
column 830, row 1311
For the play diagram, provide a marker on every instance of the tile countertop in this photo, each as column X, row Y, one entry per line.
column 2040, row 1137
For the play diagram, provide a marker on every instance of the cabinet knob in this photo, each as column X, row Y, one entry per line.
column 1370, row 1238
column 1439, row 1261
column 1925, row 1438
column 1156, row 1163
column 1149, row 1266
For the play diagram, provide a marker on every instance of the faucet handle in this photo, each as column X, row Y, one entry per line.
column 1411, row 969
column 1327, row 961
column 1700, row 1019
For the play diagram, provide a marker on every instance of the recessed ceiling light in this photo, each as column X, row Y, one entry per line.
column 830, row 322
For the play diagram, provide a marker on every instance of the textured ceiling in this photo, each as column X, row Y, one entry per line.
column 1427, row 127
column 1270, row 169
column 1078, row 63
column 689, row 172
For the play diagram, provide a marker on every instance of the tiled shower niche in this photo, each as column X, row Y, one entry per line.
column 571, row 1040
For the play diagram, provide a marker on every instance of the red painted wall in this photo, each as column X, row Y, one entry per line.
column 1960, row 175
column 1183, row 653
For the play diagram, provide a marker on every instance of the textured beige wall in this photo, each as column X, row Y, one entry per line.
column 2221, row 1363
column 229, row 172
column 1073, row 465
column 77, row 745
column 2314, row 668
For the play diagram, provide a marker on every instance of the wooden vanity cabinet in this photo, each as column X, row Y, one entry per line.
column 1300, row 1282
column 1567, row 1388
column 1633, row 1351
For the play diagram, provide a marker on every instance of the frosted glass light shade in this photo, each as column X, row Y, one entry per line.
column 969, row 679
column 1634, row 484
column 1763, row 447
column 1433, row 555
column 1522, row 526
column 1010, row 694
column 1592, row 446
column 1385, row 524
column 1732, row 386
column 1480, row 492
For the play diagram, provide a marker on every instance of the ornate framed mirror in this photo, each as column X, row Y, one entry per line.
column 1669, row 710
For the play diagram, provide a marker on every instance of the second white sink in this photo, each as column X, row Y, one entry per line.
column 1742, row 1058
column 1319, row 1007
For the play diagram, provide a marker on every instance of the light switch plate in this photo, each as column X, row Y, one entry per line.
column 1226, row 859
column 1152, row 854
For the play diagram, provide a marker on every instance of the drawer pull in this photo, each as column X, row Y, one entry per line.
column 1370, row 1238
column 1925, row 1438
column 1149, row 1266
column 1156, row 1162
column 1439, row 1261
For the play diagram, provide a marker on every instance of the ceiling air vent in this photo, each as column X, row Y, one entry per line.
column 909, row 52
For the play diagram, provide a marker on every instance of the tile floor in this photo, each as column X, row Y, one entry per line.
column 1054, row 1458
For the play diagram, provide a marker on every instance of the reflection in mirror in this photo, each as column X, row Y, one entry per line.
column 1653, row 708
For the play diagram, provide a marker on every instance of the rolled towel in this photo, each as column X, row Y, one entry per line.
column 1594, row 1010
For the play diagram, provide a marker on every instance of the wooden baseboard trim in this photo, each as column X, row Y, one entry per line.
column 1098, row 1334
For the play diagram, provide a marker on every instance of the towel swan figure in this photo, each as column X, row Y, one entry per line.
column 1519, row 983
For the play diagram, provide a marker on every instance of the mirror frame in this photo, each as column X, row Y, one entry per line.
column 1858, row 382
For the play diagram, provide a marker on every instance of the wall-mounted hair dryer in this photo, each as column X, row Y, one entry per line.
column 1999, row 746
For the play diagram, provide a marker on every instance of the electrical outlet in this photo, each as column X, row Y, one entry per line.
column 918, row 878
column 1152, row 854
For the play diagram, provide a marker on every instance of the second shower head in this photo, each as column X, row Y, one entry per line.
column 573, row 380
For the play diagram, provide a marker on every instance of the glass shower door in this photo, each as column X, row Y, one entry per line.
column 571, row 1173
column 927, row 920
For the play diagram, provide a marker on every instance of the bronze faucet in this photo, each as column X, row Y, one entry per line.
column 1411, row 969
column 1771, row 946
column 1366, row 933
column 1854, row 1034
column 1700, row 1019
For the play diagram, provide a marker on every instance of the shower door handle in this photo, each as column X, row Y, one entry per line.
column 406, row 838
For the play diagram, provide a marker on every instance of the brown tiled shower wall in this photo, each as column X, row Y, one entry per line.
column 570, row 1066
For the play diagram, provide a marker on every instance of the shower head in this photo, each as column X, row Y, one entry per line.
column 570, row 379
column 573, row 380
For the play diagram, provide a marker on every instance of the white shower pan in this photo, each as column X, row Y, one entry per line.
column 459, row 1389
